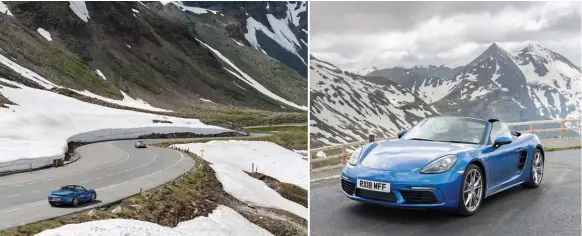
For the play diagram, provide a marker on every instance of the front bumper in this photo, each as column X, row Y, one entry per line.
column 407, row 189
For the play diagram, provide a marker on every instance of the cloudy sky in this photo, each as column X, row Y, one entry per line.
column 356, row 35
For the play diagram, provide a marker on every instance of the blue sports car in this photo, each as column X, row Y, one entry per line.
column 71, row 195
column 449, row 163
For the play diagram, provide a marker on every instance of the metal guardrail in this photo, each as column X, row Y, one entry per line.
column 343, row 155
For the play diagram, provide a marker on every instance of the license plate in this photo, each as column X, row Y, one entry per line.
column 56, row 198
column 374, row 186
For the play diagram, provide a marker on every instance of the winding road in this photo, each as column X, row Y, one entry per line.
column 552, row 209
column 115, row 169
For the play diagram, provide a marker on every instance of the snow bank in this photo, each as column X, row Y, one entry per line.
column 222, row 221
column 113, row 227
column 43, row 122
column 45, row 34
column 80, row 9
column 127, row 101
column 271, row 159
column 248, row 189
column 247, row 79
column 4, row 9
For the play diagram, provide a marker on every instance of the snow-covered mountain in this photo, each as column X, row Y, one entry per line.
column 345, row 107
column 533, row 83
column 429, row 83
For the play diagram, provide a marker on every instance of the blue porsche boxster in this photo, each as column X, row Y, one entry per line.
column 71, row 195
column 449, row 163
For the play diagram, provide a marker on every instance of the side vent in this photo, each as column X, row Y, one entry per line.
column 521, row 162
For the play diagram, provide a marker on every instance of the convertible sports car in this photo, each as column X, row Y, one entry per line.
column 449, row 163
column 71, row 195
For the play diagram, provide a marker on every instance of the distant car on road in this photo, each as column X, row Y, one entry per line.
column 449, row 163
column 140, row 144
column 71, row 195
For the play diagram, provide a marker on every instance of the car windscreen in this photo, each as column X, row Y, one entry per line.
column 449, row 129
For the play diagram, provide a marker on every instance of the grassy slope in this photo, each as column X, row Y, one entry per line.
column 165, row 65
column 290, row 137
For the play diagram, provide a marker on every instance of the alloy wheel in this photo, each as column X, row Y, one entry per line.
column 472, row 189
column 537, row 169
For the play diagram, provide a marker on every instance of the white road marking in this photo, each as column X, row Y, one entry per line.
column 85, row 181
column 32, row 183
column 13, row 210
column 98, row 178
column 36, row 204
column 15, row 195
column 326, row 178
column 16, row 185
column 34, row 191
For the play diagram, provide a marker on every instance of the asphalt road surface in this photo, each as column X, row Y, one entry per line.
column 552, row 209
column 114, row 169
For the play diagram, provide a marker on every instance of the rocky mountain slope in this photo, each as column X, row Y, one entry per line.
column 173, row 56
column 345, row 107
column 533, row 83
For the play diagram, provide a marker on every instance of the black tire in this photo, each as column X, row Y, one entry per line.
column 462, row 209
column 531, row 183
column 75, row 201
column 93, row 197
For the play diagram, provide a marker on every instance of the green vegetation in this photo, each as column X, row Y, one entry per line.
column 562, row 148
column 290, row 137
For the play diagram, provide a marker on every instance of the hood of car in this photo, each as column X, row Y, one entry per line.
column 407, row 155
column 61, row 192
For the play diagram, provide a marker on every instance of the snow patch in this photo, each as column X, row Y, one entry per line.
column 134, row 10
column 26, row 73
column 248, row 189
column 280, row 34
column 80, row 9
column 127, row 45
column 45, row 34
column 205, row 100
column 250, row 81
column 4, row 9
column 101, row 74
column 127, row 101
column 273, row 160
column 239, row 43
column 222, row 221
column 196, row 10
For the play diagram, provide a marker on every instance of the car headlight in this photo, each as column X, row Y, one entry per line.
column 440, row 165
column 355, row 156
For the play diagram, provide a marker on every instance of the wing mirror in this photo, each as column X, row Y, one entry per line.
column 401, row 133
column 500, row 141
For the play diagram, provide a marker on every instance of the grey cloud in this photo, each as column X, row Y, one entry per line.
column 352, row 25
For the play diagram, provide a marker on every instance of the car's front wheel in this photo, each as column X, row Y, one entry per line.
column 471, row 191
column 536, row 170
column 75, row 201
column 93, row 197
